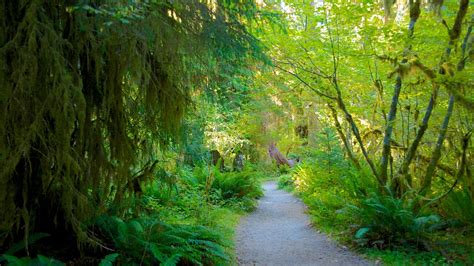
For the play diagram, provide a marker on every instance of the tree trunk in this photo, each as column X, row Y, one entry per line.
column 437, row 151
column 343, row 138
column 419, row 135
column 388, row 131
column 356, row 132
column 217, row 160
column 238, row 163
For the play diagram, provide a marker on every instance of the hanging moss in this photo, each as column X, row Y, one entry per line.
column 88, row 87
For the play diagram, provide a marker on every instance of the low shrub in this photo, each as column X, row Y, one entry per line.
column 237, row 185
column 328, row 183
column 344, row 197
column 149, row 241
column 387, row 222
column 27, row 261
column 237, row 189
column 234, row 189
column 347, row 202
column 285, row 181
column 177, row 222
column 459, row 205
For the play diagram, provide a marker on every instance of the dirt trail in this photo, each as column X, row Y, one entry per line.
column 279, row 233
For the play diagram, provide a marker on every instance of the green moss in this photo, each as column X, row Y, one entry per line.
column 91, row 93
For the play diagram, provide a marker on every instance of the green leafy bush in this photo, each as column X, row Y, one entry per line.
column 344, row 197
column 176, row 221
column 388, row 221
column 238, row 189
column 285, row 181
column 109, row 259
column 149, row 241
column 27, row 261
column 459, row 205
column 237, row 185
column 327, row 183
column 10, row 258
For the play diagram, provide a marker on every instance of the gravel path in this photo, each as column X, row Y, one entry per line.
column 279, row 233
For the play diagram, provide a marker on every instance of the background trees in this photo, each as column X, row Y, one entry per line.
column 383, row 80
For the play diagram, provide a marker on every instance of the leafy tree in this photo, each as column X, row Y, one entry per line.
column 379, row 74
column 91, row 90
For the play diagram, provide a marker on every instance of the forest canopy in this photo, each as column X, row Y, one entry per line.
column 385, row 77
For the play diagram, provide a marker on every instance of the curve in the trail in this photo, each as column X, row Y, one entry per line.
column 278, row 232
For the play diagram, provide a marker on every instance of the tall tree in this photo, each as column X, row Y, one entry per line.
column 90, row 91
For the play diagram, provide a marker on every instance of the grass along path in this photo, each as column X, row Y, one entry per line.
column 278, row 232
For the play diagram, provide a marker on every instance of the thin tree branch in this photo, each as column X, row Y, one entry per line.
column 318, row 92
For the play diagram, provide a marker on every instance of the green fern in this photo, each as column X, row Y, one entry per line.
column 387, row 221
column 27, row 261
column 109, row 259
column 237, row 185
column 150, row 241
column 460, row 206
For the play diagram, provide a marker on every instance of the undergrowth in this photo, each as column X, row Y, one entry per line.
column 397, row 230
column 188, row 219
column 149, row 241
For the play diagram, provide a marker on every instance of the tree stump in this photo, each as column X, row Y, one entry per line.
column 276, row 155
column 238, row 164
column 217, row 160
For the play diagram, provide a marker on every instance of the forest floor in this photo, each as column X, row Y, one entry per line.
column 279, row 232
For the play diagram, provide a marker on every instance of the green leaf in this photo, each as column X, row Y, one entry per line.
column 172, row 261
column 109, row 259
column 45, row 261
column 361, row 232
column 155, row 250
column 14, row 261
column 136, row 228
